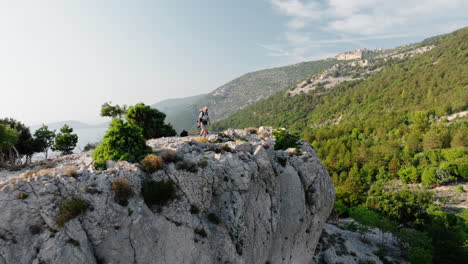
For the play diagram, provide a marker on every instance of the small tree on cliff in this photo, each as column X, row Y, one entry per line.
column 8, row 139
column 117, row 111
column 122, row 141
column 65, row 141
column 44, row 139
column 24, row 146
column 150, row 120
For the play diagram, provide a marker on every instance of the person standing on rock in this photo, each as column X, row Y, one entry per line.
column 204, row 121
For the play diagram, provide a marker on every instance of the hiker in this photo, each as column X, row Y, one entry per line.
column 204, row 121
column 183, row 133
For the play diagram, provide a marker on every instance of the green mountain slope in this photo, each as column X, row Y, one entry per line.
column 434, row 80
column 238, row 93
column 386, row 139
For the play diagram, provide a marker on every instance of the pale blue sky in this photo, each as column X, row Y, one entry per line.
column 60, row 60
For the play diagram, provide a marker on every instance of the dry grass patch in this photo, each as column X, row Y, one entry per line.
column 70, row 171
column 263, row 135
column 29, row 174
column 201, row 140
column 152, row 163
column 70, row 208
column 122, row 191
column 44, row 171
column 22, row 196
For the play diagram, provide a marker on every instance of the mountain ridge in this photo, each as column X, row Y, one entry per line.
column 238, row 93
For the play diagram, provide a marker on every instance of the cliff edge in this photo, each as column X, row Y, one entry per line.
column 237, row 201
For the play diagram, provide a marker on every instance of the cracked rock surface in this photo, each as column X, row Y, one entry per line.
column 254, row 205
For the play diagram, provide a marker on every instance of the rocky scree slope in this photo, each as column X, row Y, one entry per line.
column 242, row 202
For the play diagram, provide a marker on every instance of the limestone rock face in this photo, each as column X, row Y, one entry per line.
column 244, row 202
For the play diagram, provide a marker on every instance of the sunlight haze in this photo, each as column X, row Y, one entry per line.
column 60, row 60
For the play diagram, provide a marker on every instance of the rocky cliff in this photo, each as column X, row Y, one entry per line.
column 237, row 201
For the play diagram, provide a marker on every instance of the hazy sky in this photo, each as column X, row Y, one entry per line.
column 60, row 60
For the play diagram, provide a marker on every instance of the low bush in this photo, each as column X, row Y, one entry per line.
column 122, row 141
column 435, row 176
column 459, row 189
column 90, row 146
column 22, row 196
column 282, row 161
column 70, row 208
column 28, row 174
column 122, row 191
column 219, row 149
column 35, row 229
column 409, row 175
column 170, row 155
column 285, row 139
column 213, row 218
column 463, row 170
column 70, row 171
column 194, row 209
column 158, row 192
column 152, row 163
column 201, row 140
column 187, row 165
column 201, row 232
column 100, row 165
column 252, row 130
column 203, row 163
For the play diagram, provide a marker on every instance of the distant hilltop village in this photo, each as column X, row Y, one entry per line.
column 356, row 54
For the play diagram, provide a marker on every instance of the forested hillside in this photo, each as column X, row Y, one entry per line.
column 385, row 139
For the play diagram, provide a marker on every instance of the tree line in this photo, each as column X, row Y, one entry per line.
column 18, row 144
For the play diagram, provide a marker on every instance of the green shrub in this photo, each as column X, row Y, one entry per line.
column 122, row 141
column 122, row 191
column 417, row 244
column 371, row 218
column 285, row 139
column 90, row 146
column 150, row 120
column 409, row 175
column 70, row 208
column 419, row 255
column 435, row 176
column 463, row 170
column 152, row 163
column 158, row 192
column 459, row 189
column 464, row 215
column 100, row 165
column 406, row 207
column 428, row 177
column 340, row 209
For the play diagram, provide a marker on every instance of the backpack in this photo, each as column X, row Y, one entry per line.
column 200, row 117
